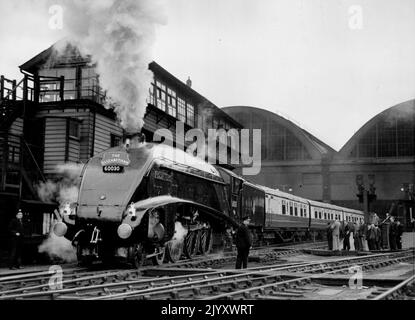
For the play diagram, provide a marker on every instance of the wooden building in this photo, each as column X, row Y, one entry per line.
column 56, row 115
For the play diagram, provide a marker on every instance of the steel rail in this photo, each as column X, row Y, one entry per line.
column 39, row 280
column 129, row 284
column 244, row 274
column 220, row 284
column 246, row 293
column 12, row 294
column 396, row 289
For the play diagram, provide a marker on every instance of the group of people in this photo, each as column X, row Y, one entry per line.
column 365, row 236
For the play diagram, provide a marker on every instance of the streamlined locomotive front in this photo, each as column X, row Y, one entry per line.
column 135, row 202
column 109, row 182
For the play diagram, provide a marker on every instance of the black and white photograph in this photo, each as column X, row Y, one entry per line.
column 209, row 157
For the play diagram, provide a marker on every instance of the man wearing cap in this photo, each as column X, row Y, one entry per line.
column 16, row 232
column 243, row 243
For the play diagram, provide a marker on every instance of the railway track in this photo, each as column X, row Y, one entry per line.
column 402, row 291
column 266, row 254
column 204, row 283
column 27, row 282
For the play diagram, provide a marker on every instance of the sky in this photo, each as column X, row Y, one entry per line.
column 328, row 65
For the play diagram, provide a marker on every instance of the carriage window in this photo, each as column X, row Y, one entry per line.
column 283, row 208
column 291, row 210
column 319, row 214
column 301, row 212
column 325, row 215
column 295, row 211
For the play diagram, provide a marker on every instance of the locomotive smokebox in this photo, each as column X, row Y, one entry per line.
column 134, row 140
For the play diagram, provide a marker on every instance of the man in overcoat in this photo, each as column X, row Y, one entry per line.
column 16, row 230
column 243, row 241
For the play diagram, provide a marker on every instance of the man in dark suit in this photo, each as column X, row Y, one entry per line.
column 392, row 234
column 399, row 232
column 16, row 233
column 243, row 243
column 329, row 236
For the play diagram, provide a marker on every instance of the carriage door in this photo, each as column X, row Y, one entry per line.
column 236, row 205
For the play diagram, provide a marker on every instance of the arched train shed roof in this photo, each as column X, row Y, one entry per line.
column 315, row 147
column 404, row 110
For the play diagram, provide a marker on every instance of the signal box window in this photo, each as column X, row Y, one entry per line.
column 190, row 115
column 74, row 131
column 181, row 110
column 171, row 105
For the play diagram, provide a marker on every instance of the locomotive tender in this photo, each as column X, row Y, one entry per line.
column 150, row 201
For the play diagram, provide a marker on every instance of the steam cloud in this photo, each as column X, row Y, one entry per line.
column 118, row 35
column 178, row 238
column 179, row 232
column 58, row 248
column 64, row 190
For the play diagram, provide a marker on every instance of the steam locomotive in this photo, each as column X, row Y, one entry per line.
column 146, row 201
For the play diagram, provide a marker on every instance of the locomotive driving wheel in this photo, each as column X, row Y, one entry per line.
column 189, row 244
column 158, row 259
column 174, row 250
column 137, row 255
column 207, row 241
column 198, row 240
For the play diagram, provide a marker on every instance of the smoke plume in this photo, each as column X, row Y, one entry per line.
column 118, row 35
column 179, row 232
column 58, row 248
column 63, row 190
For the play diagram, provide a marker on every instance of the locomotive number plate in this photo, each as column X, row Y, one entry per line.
column 113, row 169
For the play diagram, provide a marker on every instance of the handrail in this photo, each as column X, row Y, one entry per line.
column 33, row 158
column 395, row 288
column 13, row 89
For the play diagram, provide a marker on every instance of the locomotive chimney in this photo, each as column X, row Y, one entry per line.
column 134, row 140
